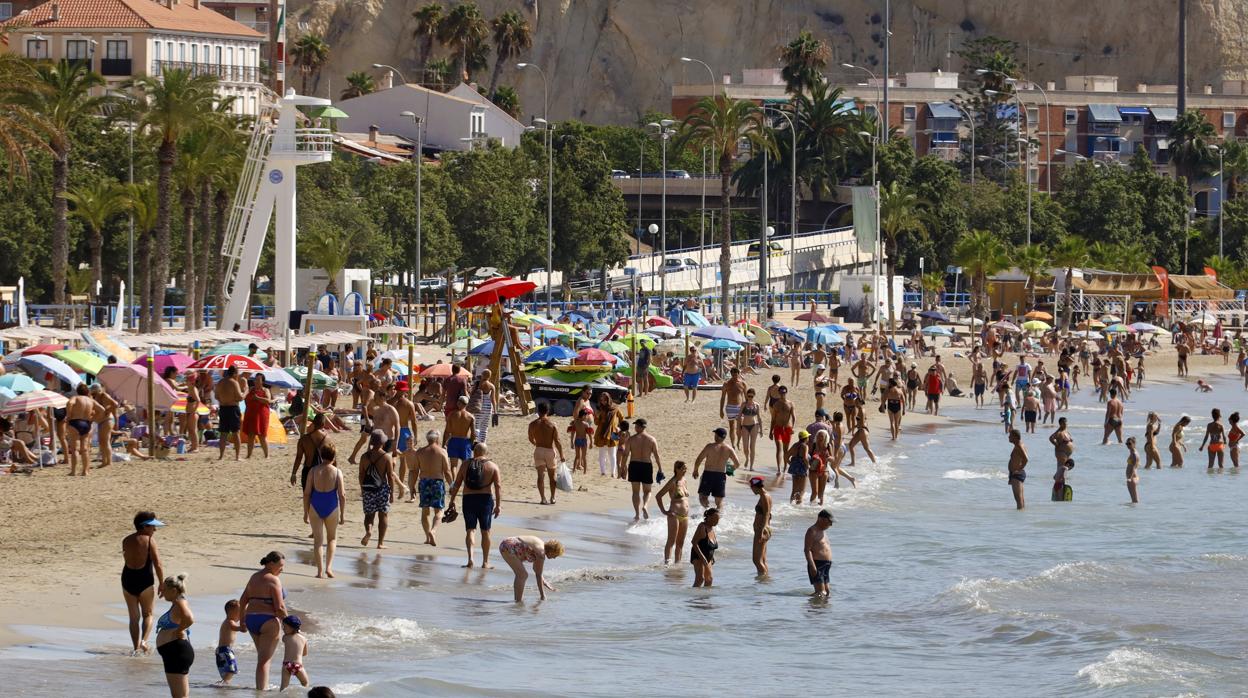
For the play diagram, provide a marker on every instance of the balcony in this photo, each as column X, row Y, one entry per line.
column 308, row 145
column 115, row 67
column 225, row 73
column 262, row 26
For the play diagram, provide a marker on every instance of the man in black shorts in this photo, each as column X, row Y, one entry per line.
column 716, row 455
column 641, row 452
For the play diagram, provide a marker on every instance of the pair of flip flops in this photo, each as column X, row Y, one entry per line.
column 450, row 514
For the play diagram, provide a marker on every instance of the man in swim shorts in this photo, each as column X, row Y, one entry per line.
column 457, row 436
column 692, row 375
column 544, row 436
column 481, row 481
column 229, row 392
column 818, row 554
column 714, row 458
column 1113, row 417
column 782, row 421
column 731, row 395
column 79, row 414
column 434, row 471
column 1017, row 467
column 641, row 452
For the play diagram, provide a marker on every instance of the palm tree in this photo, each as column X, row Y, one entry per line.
column 359, row 84
column 1234, row 166
column 512, row 36
column 21, row 128
column 61, row 94
column 1031, row 260
column 427, row 19
column 1190, row 138
column 981, row 254
column 718, row 125
column 1070, row 252
column 176, row 104
column 94, row 203
column 804, row 60
column 462, row 28
column 438, row 75
column 933, row 282
column 310, row 53
column 827, row 131
column 329, row 250
column 477, row 59
column 901, row 212
column 505, row 98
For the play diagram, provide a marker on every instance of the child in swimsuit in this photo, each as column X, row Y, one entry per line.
column 227, row 662
column 296, row 648
column 581, row 428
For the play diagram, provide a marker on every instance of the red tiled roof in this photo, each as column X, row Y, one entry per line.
column 180, row 16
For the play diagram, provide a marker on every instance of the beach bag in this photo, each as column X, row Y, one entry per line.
column 474, row 479
column 563, row 477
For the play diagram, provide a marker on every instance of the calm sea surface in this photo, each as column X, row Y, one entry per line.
column 939, row 588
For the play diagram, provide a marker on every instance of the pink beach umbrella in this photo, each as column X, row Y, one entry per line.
column 177, row 360
column 129, row 383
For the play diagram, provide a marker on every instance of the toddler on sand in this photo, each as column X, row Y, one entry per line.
column 227, row 663
column 296, row 648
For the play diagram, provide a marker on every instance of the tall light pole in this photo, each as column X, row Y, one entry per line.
column 420, row 162
column 764, row 237
column 392, row 69
column 875, row 186
column 1027, row 179
column 550, row 186
column 711, row 73
column 701, row 225
column 970, row 121
column 664, row 133
column 878, row 94
column 1048, row 171
column 1221, row 196
column 792, row 196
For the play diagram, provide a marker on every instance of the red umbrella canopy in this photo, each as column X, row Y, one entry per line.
column 656, row 320
column 812, row 317
column 597, row 356
column 496, row 293
column 492, row 282
column 220, row 362
column 436, row 371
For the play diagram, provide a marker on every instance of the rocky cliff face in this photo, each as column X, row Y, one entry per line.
column 611, row 60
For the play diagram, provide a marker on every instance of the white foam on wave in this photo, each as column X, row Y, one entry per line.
column 975, row 592
column 348, row 689
column 1133, row 666
column 357, row 631
column 961, row 474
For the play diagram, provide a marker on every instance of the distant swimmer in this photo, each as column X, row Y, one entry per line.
column 1017, row 467
column 818, row 553
column 1177, row 447
column 1215, row 437
column 1133, row 476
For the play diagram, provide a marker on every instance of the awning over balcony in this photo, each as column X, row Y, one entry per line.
column 1104, row 113
column 1165, row 113
column 943, row 110
column 1133, row 111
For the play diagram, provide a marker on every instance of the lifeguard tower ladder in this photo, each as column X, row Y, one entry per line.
column 278, row 145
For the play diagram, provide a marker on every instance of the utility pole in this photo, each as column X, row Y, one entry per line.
column 1182, row 56
column 887, row 37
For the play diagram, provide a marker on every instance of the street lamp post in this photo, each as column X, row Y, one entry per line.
column 1221, row 195
column 701, row 225
column 875, row 186
column 550, row 187
column 392, row 69
column 970, row 121
column 711, row 73
column 664, row 134
column 1027, row 181
column 1048, row 171
column 420, row 162
column 792, row 195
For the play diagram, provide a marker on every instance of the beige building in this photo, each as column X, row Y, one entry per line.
column 121, row 39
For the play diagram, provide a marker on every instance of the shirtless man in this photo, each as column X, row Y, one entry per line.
column 773, row 391
column 79, row 414
column 731, row 395
column 692, row 369
column 1017, row 467
column 104, row 422
column 407, row 427
column 229, row 392
column 1113, row 417
column 819, row 554
column 641, row 452
column 433, row 468
column 386, row 420
column 818, row 361
column 1183, row 349
column 714, row 457
column 482, row 483
column 979, row 382
column 457, row 435
column 781, row 430
column 834, row 366
column 862, row 371
column 1215, row 436
column 544, row 436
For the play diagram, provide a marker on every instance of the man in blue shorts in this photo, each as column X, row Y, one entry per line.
column 460, row 426
column 692, row 374
column 483, row 496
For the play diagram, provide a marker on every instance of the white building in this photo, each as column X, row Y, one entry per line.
column 453, row 121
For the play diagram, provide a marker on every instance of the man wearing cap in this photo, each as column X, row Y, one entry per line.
column 457, row 435
column 782, row 421
column 715, row 456
column 731, row 395
column 818, row 357
column 821, row 423
column 819, row 554
column 641, row 452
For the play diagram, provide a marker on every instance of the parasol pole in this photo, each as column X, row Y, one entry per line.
column 307, row 391
column 151, row 401
column 411, row 370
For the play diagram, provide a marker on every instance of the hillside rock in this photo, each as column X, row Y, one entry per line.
column 611, row 60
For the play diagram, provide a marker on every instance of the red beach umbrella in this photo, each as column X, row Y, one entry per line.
column 496, row 293
column 220, row 362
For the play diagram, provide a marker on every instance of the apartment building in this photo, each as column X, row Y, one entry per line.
column 121, row 39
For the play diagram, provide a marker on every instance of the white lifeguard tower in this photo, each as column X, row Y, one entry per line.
column 278, row 145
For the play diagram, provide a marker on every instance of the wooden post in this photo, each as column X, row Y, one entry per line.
column 151, row 401
column 307, row 392
column 411, row 370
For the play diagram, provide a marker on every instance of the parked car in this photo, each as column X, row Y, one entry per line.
column 620, row 174
column 775, row 247
column 433, row 284
column 675, row 264
column 678, row 174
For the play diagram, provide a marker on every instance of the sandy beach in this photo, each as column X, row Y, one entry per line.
column 61, row 536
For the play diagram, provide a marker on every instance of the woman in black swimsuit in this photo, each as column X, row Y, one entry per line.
column 749, row 426
column 762, row 525
column 139, row 573
column 702, row 553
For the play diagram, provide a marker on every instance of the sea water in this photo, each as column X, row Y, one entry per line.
column 939, row 587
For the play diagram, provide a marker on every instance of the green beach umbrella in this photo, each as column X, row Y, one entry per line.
column 85, row 361
column 320, row 381
column 612, row 347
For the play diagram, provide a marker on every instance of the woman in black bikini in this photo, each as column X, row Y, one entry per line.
column 895, row 403
column 748, row 425
column 139, row 573
column 702, row 553
column 798, row 458
column 173, row 637
column 762, row 525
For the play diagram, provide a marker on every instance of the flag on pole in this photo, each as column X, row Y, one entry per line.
column 118, row 321
column 21, row 301
column 864, row 218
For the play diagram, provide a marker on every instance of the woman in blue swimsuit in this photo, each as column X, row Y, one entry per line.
column 263, row 607
column 323, row 496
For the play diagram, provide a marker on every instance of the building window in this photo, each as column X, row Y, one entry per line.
column 181, row 52
column 1072, row 116
column 477, row 123
column 252, row 63
column 76, row 50
column 907, row 112
column 1033, row 115
column 120, row 50
column 37, row 48
column 6, row 10
column 219, row 54
column 207, row 54
column 194, row 53
column 251, row 105
column 1228, row 119
column 229, row 56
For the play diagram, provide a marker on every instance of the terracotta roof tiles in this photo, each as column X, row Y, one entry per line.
column 181, row 16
